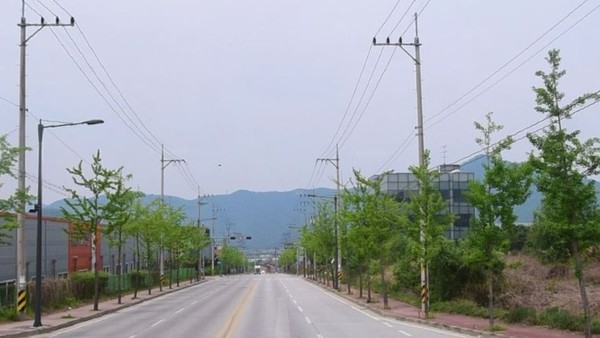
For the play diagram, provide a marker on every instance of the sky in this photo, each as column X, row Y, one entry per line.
column 251, row 93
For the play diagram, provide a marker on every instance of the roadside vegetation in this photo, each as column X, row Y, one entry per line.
column 546, row 273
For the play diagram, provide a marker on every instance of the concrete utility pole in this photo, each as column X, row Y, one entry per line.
column 338, row 253
column 21, row 216
column 163, row 164
column 417, row 60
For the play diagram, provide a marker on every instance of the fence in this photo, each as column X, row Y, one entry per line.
column 7, row 294
column 128, row 280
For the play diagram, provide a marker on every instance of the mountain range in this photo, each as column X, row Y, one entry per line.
column 271, row 218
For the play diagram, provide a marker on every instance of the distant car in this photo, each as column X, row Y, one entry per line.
column 262, row 272
column 257, row 271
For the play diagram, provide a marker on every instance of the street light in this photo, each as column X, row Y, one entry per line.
column 38, row 207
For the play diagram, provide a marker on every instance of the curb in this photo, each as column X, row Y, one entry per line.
column 100, row 313
column 424, row 322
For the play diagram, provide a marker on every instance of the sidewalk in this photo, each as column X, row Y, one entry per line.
column 455, row 322
column 68, row 317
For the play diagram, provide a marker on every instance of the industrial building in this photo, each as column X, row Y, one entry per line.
column 451, row 183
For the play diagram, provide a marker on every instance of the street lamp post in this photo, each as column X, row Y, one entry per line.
column 38, row 207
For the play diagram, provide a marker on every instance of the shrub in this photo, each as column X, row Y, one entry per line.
column 521, row 314
column 561, row 319
column 83, row 284
column 463, row 307
column 143, row 276
column 8, row 314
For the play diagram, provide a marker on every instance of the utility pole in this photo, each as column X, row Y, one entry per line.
column 417, row 60
column 163, row 164
column 200, row 249
column 338, row 254
column 21, row 216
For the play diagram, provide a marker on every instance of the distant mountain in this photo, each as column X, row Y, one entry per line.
column 264, row 216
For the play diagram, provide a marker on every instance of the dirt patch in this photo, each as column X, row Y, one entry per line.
column 532, row 284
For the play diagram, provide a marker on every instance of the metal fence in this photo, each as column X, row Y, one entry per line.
column 7, row 294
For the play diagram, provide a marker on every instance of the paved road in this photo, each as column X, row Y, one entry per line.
column 275, row 306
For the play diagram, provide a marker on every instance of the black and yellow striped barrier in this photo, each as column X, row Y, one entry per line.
column 162, row 279
column 424, row 294
column 340, row 276
column 21, row 300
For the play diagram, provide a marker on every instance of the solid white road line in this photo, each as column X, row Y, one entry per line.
column 405, row 333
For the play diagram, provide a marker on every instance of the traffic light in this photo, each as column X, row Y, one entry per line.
column 248, row 237
column 232, row 237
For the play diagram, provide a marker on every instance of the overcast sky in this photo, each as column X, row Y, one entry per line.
column 251, row 93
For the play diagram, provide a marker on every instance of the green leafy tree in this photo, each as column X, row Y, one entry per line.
column 319, row 239
column 86, row 213
column 377, row 221
column 120, row 204
column 142, row 227
column 428, row 222
column 231, row 258
column 8, row 158
column 287, row 259
column 568, row 212
column 503, row 187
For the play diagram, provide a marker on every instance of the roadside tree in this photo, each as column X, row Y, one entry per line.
column 569, row 212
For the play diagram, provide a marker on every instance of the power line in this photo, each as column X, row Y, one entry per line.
column 117, row 87
column 349, row 102
column 412, row 22
column 508, row 63
column 8, row 101
column 401, row 149
column 46, row 7
column 370, row 98
column 523, row 130
column 402, row 17
column 103, row 84
column 362, row 96
column 516, row 68
column 97, row 90
column 388, row 17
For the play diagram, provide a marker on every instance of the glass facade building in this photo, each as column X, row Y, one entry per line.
column 451, row 183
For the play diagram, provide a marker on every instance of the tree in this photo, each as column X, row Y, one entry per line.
column 503, row 187
column 376, row 221
column 142, row 227
column 319, row 239
column 120, row 206
column 8, row 157
column 287, row 258
column 86, row 213
column 568, row 209
column 428, row 222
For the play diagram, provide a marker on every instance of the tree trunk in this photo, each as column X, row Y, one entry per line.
column 170, row 269
column 348, row 280
column 579, row 273
column 383, row 285
column 491, row 288
column 96, row 275
column 369, row 300
column 360, row 286
column 148, row 257
column 137, row 266
column 120, row 272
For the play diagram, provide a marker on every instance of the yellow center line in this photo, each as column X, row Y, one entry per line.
column 232, row 322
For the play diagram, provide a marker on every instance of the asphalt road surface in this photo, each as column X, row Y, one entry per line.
column 271, row 305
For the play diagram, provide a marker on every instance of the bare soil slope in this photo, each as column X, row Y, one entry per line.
column 532, row 284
